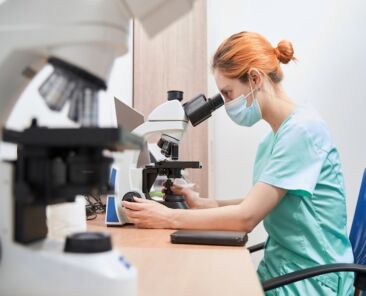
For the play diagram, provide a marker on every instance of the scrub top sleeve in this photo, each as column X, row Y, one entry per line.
column 295, row 163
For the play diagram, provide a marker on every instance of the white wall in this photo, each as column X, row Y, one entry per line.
column 31, row 104
column 329, row 41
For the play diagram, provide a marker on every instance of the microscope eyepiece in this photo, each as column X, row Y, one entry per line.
column 200, row 108
column 175, row 95
column 216, row 102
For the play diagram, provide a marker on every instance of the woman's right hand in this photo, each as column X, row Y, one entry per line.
column 191, row 197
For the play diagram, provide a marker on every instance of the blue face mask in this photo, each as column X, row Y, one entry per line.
column 241, row 114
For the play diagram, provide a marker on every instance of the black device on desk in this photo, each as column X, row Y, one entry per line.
column 209, row 237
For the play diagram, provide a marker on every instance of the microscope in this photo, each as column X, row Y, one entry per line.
column 81, row 40
column 170, row 121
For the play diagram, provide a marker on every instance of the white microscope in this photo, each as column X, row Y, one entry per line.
column 80, row 39
column 135, row 179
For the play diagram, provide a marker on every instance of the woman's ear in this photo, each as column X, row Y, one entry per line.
column 255, row 78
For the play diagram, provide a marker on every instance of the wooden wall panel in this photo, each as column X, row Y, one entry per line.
column 176, row 59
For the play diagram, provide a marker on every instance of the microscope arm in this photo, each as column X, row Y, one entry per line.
column 89, row 35
column 167, row 120
column 174, row 129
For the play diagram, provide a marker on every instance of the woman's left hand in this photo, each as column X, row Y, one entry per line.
column 146, row 213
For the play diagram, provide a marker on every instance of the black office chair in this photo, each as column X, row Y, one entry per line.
column 358, row 241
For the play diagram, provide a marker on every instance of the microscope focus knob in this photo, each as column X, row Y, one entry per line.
column 88, row 242
column 129, row 196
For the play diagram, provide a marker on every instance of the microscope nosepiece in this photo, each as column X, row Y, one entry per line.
column 70, row 83
column 169, row 147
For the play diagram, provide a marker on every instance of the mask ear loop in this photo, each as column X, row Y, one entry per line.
column 251, row 92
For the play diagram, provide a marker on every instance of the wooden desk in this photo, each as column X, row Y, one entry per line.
column 170, row 269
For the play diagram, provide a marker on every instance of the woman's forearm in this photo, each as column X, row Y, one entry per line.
column 223, row 203
column 259, row 202
column 222, row 218
column 206, row 203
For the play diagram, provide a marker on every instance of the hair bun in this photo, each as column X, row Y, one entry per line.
column 284, row 51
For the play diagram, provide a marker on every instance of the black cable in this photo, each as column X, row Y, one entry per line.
column 94, row 207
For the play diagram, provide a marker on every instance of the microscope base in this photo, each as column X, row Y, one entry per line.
column 42, row 268
column 115, row 215
column 175, row 204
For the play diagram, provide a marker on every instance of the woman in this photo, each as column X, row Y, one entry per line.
column 298, row 186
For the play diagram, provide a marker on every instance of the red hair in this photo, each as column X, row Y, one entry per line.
column 245, row 50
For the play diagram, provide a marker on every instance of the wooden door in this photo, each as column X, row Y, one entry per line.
column 175, row 59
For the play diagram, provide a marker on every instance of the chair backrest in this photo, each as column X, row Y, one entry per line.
column 358, row 229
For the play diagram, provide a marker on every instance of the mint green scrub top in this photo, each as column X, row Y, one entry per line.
column 308, row 227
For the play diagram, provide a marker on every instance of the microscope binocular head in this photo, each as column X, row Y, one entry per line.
column 199, row 108
column 196, row 111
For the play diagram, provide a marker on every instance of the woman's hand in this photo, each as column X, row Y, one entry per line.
column 192, row 197
column 146, row 213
